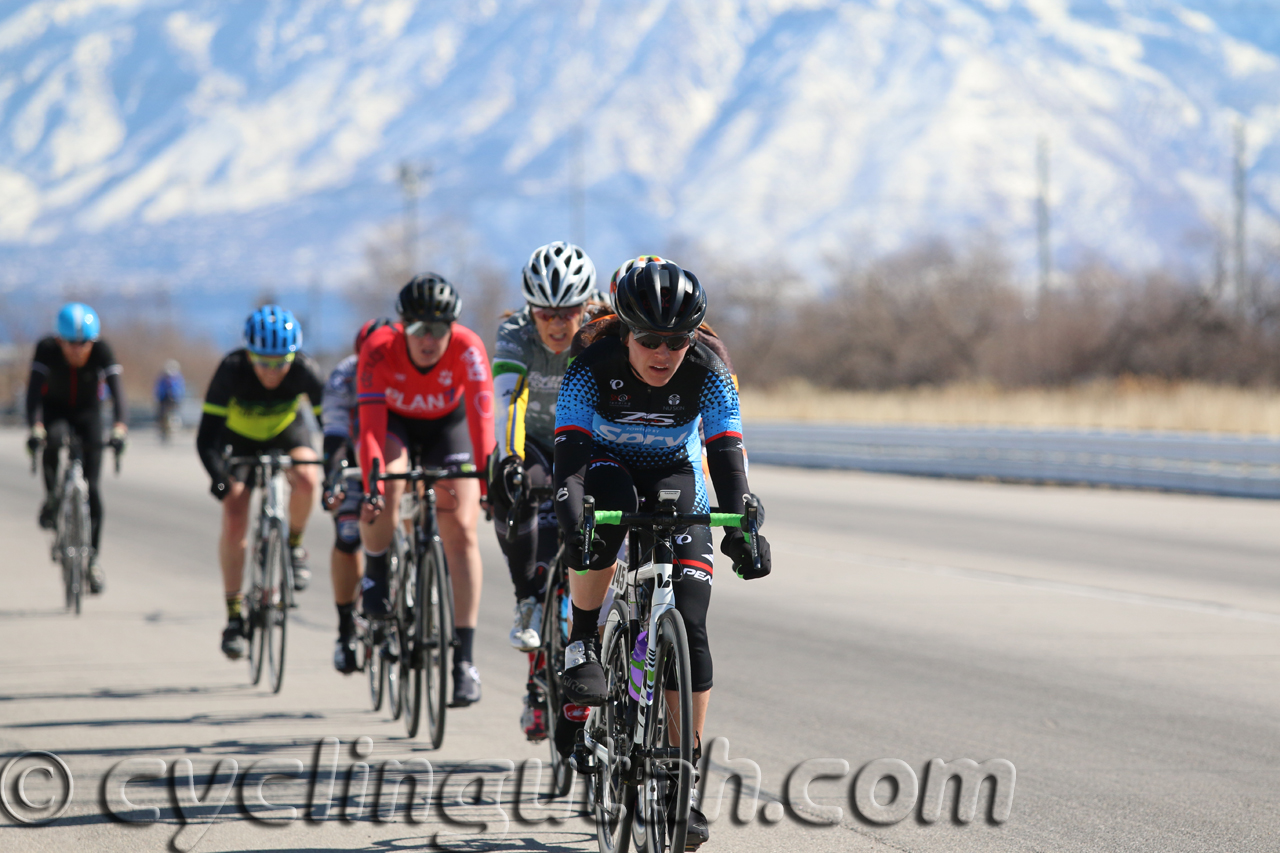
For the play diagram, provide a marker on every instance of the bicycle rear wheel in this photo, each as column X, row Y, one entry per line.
column 437, row 634
column 275, row 616
column 667, row 771
column 613, row 793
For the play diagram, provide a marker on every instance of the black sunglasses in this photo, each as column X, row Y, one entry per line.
column 653, row 340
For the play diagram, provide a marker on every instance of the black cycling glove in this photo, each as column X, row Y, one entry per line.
column 735, row 547
column 219, row 488
column 503, row 476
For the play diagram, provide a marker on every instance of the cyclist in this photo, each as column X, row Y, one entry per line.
column 424, row 391
column 63, row 398
column 252, row 407
column 170, row 389
column 529, row 361
column 341, row 427
column 627, row 425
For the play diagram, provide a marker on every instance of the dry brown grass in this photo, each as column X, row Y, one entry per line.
column 1124, row 404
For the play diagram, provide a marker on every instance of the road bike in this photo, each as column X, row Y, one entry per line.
column 270, row 595
column 419, row 631
column 73, row 528
column 547, row 664
column 638, row 757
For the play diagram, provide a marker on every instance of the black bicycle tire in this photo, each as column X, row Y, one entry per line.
column 438, row 628
column 252, row 616
column 394, row 641
column 552, row 655
column 276, row 613
column 615, row 655
column 84, row 549
column 411, row 652
column 370, row 658
column 673, row 648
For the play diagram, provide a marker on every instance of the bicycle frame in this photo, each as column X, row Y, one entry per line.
column 660, row 568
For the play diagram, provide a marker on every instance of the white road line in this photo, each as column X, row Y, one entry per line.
column 1208, row 608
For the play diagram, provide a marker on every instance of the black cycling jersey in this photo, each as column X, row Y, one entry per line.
column 239, row 403
column 56, row 390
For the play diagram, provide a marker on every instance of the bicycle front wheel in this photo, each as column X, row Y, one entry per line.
column 667, row 768
column 276, row 605
column 550, row 661
column 410, row 615
column 613, row 794
column 437, row 634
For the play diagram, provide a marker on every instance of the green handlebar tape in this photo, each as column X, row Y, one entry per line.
column 718, row 519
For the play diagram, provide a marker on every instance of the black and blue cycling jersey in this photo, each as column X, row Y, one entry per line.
column 604, row 408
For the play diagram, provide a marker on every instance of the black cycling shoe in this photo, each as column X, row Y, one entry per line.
column 301, row 574
column 466, row 684
column 233, row 645
column 48, row 513
column 584, row 680
column 344, row 655
column 698, row 833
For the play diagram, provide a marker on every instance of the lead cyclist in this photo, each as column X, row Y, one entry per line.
column 628, row 422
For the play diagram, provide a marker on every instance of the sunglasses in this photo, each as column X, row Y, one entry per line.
column 78, row 344
column 547, row 314
column 421, row 328
column 269, row 362
column 653, row 340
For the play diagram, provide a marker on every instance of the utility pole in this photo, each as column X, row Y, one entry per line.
column 411, row 177
column 579, row 199
column 1244, row 299
column 1042, row 215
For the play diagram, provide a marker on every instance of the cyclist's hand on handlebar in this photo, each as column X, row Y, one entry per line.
column 372, row 507
column 333, row 495
column 506, row 477
column 735, row 547
column 36, row 440
column 219, row 488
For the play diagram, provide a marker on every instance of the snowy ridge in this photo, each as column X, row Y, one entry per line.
column 256, row 141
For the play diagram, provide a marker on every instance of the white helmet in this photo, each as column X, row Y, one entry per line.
column 558, row 275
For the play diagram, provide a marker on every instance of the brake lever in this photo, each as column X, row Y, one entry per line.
column 371, row 496
column 588, row 528
column 516, row 499
column 751, row 525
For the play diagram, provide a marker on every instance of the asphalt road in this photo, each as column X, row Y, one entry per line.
column 1119, row 649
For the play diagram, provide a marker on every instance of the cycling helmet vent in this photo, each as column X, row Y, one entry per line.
column 660, row 297
column 558, row 275
column 429, row 297
column 272, row 331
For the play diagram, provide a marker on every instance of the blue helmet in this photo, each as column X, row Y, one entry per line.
column 271, row 330
column 78, row 322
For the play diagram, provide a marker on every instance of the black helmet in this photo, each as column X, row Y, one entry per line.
column 661, row 297
column 429, row 297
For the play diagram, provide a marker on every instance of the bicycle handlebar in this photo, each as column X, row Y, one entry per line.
column 748, row 522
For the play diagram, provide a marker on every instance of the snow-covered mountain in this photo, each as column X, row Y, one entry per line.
column 256, row 141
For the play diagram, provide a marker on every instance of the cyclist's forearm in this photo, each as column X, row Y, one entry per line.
column 728, row 471
column 207, row 443
column 572, row 453
column 117, row 395
column 35, row 387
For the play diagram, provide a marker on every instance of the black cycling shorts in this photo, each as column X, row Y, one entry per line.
column 436, row 443
column 617, row 487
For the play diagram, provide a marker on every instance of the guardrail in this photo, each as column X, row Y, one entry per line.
column 1183, row 462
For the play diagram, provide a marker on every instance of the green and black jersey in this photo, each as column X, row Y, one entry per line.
column 237, row 402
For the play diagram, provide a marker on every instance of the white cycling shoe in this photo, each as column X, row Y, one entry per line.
column 528, row 618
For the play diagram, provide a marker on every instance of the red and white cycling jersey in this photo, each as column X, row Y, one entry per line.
column 387, row 379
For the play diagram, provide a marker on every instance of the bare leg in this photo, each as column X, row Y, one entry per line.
column 345, row 571
column 462, row 549
column 304, row 483
column 700, row 702
column 234, row 538
column 587, row 590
